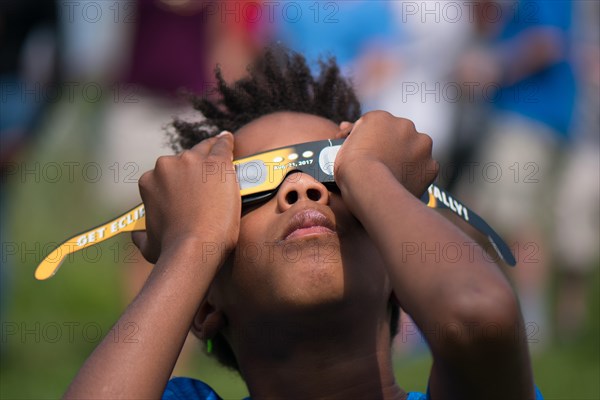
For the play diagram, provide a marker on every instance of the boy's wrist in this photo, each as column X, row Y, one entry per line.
column 197, row 249
column 358, row 186
column 360, row 176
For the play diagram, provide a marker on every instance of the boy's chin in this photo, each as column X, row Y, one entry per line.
column 314, row 308
column 288, row 288
column 309, row 283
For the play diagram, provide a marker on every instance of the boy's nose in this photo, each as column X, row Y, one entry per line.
column 301, row 187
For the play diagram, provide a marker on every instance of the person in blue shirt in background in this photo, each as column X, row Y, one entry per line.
column 520, row 70
column 577, row 234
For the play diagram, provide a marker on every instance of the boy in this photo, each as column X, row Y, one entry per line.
column 318, row 324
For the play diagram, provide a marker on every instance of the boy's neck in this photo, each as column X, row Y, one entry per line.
column 332, row 362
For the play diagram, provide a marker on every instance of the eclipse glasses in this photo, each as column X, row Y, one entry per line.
column 259, row 176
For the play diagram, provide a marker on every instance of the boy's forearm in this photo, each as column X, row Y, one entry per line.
column 453, row 300
column 162, row 314
column 433, row 288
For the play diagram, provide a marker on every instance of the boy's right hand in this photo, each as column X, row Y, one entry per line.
column 193, row 196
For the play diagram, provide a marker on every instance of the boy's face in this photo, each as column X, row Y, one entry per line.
column 327, row 264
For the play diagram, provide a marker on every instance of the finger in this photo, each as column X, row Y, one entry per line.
column 427, row 141
column 224, row 145
column 140, row 239
column 394, row 298
column 203, row 148
column 346, row 125
column 355, row 125
column 433, row 169
column 345, row 128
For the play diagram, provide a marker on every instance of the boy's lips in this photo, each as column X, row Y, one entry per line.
column 306, row 222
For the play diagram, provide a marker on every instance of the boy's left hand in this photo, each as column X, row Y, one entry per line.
column 379, row 137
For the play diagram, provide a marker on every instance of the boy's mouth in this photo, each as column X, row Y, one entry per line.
column 308, row 222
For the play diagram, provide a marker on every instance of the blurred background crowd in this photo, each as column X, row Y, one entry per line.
column 508, row 90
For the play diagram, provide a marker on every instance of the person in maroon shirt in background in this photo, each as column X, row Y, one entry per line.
column 165, row 32
column 178, row 44
column 175, row 47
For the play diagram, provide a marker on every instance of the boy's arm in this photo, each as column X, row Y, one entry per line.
column 188, row 210
column 161, row 314
column 463, row 304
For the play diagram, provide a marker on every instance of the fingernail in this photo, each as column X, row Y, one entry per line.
column 223, row 133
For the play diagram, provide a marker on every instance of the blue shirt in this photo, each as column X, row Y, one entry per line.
column 547, row 96
column 193, row 389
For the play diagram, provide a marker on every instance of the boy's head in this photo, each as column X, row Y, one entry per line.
column 278, row 81
column 279, row 288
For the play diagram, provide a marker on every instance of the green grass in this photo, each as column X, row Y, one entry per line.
column 91, row 294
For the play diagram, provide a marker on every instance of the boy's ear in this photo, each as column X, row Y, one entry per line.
column 208, row 321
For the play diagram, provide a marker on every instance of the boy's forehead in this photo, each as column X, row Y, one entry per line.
column 281, row 129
